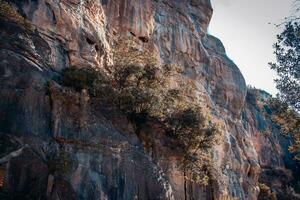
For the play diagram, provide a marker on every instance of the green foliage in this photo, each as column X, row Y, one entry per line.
column 192, row 127
column 61, row 164
column 141, row 92
column 266, row 193
column 256, row 97
column 133, row 100
column 289, row 122
column 79, row 78
column 287, row 67
column 197, row 135
column 251, row 96
column 7, row 11
column 137, row 76
column 128, row 52
column 96, row 82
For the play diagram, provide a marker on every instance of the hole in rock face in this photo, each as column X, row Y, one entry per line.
column 91, row 42
column 249, row 173
column 53, row 17
column 132, row 33
column 144, row 39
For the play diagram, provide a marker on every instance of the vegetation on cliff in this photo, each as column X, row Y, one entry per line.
column 286, row 106
column 288, row 121
column 287, row 67
column 284, row 109
column 142, row 92
column 8, row 12
column 266, row 193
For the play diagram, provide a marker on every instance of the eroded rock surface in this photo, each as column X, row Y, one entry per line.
column 57, row 144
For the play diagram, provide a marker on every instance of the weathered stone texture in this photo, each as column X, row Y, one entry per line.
column 42, row 121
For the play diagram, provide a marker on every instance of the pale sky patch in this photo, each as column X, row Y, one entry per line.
column 247, row 30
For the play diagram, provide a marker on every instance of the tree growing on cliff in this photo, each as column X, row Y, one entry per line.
column 286, row 106
column 266, row 193
column 141, row 89
column 287, row 67
column 289, row 123
column 193, row 127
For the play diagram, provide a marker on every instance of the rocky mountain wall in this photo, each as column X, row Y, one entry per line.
column 58, row 144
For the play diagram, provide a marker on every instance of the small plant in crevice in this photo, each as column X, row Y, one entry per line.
column 79, row 78
column 266, row 193
column 127, row 51
column 7, row 11
column 60, row 164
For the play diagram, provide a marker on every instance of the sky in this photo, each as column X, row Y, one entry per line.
column 247, row 30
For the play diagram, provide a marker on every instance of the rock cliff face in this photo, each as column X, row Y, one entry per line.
column 57, row 144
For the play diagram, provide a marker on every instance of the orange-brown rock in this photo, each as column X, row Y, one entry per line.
column 58, row 144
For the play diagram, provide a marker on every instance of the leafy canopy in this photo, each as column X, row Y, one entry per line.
column 289, row 122
column 141, row 89
column 286, row 107
column 287, row 67
column 142, row 92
